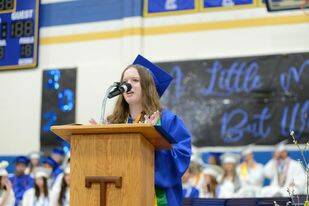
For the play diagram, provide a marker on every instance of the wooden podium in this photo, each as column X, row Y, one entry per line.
column 112, row 164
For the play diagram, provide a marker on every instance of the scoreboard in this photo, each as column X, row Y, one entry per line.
column 280, row 5
column 18, row 33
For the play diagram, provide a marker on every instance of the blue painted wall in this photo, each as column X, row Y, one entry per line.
column 10, row 159
column 83, row 11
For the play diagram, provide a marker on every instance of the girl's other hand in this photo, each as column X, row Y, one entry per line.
column 152, row 119
column 7, row 184
column 93, row 122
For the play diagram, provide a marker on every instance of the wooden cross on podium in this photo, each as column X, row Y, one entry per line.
column 103, row 181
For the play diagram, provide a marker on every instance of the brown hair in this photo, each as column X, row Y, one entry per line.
column 212, row 186
column 2, row 187
column 37, row 189
column 235, row 180
column 64, row 186
column 150, row 97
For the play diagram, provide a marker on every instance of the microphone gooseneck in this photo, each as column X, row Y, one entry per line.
column 112, row 91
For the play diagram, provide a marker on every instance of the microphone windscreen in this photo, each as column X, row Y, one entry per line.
column 129, row 87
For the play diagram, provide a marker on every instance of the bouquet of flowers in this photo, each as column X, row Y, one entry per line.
column 305, row 165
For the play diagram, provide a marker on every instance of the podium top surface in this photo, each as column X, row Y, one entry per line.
column 147, row 130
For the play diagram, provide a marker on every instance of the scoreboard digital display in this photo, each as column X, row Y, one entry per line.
column 18, row 33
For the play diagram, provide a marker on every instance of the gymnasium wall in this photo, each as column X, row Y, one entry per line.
column 100, row 38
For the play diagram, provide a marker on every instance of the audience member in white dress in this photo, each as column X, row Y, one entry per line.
column 34, row 163
column 250, row 174
column 269, row 169
column 212, row 175
column 60, row 194
column 285, row 173
column 230, row 184
column 7, row 197
column 39, row 194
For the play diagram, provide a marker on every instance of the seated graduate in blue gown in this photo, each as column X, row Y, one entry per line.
column 20, row 181
column 58, row 155
column 54, row 168
column 142, row 105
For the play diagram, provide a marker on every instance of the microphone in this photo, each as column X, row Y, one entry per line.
column 112, row 91
column 121, row 87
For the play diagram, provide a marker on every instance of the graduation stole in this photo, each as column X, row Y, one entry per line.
column 244, row 169
column 136, row 120
column 282, row 171
column 160, row 194
column 160, row 197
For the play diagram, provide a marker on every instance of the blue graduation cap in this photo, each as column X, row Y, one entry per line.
column 50, row 161
column 22, row 159
column 161, row 78
column 58, row 151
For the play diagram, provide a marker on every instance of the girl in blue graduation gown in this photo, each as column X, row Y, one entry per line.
column 142, row 104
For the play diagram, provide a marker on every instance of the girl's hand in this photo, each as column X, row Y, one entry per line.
column 153, row 119
column 93, row 122
column 7, row 184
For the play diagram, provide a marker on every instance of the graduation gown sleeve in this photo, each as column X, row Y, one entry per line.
column 171, row 164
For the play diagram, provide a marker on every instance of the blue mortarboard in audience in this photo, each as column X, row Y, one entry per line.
column 58, row 151
column 22, row 159
column 50, row 161
column 161, row 78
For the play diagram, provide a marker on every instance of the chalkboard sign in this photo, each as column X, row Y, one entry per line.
column 239, row 101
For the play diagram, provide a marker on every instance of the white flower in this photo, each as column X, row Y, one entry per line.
column 292, row 133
